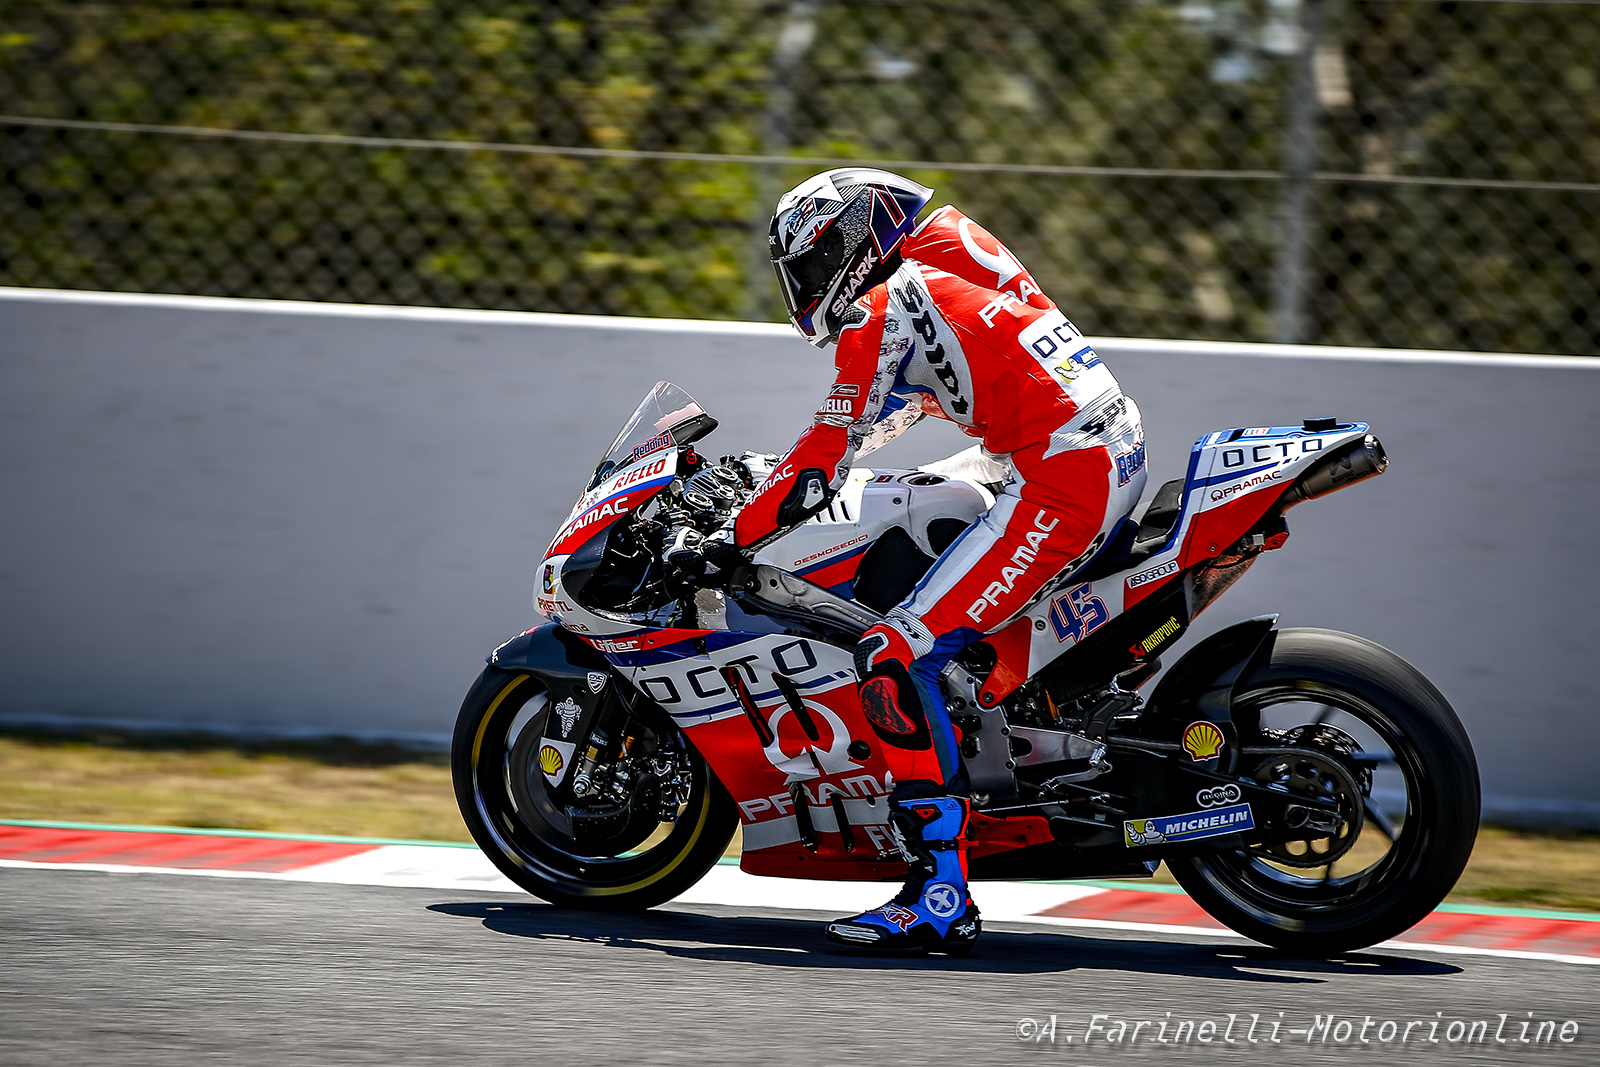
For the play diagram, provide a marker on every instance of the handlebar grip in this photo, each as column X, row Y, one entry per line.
column 682, row 546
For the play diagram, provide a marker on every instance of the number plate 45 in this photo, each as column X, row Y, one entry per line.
column 1078, row 614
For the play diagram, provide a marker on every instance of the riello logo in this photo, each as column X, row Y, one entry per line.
column 649, row 470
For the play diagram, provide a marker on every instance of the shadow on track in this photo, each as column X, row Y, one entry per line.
column 783, row 942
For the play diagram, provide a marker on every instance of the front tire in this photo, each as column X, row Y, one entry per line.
column 624, row 859
column 1376, row 714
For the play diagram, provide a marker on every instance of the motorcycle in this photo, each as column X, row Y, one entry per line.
column 1308, row 788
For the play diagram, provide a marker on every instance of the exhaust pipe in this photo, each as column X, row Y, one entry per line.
column 1355, row 462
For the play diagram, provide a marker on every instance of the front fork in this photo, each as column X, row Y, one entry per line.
column 614, row 749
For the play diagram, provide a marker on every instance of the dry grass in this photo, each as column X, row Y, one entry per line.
column 355, row 790
column 1549, row 870
column 372, row 791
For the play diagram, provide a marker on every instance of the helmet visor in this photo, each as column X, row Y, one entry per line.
column 804, row 277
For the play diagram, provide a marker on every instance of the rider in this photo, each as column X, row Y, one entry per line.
column 938, row 318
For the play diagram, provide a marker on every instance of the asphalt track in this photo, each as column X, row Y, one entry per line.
column 99, row 968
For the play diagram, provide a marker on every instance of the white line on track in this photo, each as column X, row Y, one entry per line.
column 428, row 867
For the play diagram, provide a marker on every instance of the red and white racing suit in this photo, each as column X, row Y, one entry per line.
column 961, row 332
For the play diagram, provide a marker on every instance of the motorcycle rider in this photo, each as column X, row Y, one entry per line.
column 939, row 318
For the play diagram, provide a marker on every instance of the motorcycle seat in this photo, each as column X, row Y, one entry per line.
column 1132, row 544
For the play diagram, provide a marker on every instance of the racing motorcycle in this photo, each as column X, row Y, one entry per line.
column 1310, row 789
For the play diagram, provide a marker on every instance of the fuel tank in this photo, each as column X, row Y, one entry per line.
column 928, row 510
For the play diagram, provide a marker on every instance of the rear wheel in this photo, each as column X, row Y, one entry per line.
column 660, row 824
column 1393, row 755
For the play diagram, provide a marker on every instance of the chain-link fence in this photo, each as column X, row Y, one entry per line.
column 1388, row 172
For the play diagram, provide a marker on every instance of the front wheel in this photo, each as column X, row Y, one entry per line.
column 1382, row 729
column 662, row 823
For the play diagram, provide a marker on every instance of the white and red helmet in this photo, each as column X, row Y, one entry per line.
column 836, row 235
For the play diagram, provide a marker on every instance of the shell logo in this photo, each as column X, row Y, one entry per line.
column 1202, row 741
column 550, row 760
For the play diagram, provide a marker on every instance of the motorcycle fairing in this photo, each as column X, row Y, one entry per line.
column 613, row 498
column 1234, row 478
column 773, row 756
column 686, row 672
column 619, row 493
column 776, row 713
column 828, row 548
column 803, row 800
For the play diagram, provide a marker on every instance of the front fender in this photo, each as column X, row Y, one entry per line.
column 549, row 649
column 575, row 676
column 1200, row 685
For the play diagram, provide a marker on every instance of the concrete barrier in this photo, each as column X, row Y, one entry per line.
column 309, row 518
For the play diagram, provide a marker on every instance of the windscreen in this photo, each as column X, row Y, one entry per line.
column 667, row 416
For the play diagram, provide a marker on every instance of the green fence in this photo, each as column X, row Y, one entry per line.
column 1383, row 172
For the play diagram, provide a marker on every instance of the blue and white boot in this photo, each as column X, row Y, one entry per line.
column 932, row 912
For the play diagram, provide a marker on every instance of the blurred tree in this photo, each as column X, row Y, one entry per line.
column 1476, row 91
column 392, row 225
column 1496, row 92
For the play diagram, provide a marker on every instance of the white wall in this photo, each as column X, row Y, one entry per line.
column 287, row 517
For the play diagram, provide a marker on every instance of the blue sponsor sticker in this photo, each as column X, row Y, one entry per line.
column 1167, row 829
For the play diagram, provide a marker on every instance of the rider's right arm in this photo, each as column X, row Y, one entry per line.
column 807, row 476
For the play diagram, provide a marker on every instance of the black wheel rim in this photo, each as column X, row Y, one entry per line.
column 514, row 807
column 1353, row 888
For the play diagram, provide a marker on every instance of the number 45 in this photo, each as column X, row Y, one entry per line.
column 1077, row 615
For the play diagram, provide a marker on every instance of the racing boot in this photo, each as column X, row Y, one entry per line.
column 932, row 912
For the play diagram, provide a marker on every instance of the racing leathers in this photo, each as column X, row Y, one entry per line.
column 959, row 331
column 962, row 332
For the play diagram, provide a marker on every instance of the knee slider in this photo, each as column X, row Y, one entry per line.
column 889, row 700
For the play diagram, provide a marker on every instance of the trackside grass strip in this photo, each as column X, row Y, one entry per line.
column 346, row 789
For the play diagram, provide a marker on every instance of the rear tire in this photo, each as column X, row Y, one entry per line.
column 509, row 810
column 1379, row 695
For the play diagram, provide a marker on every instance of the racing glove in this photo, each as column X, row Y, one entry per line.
column 705, row 560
